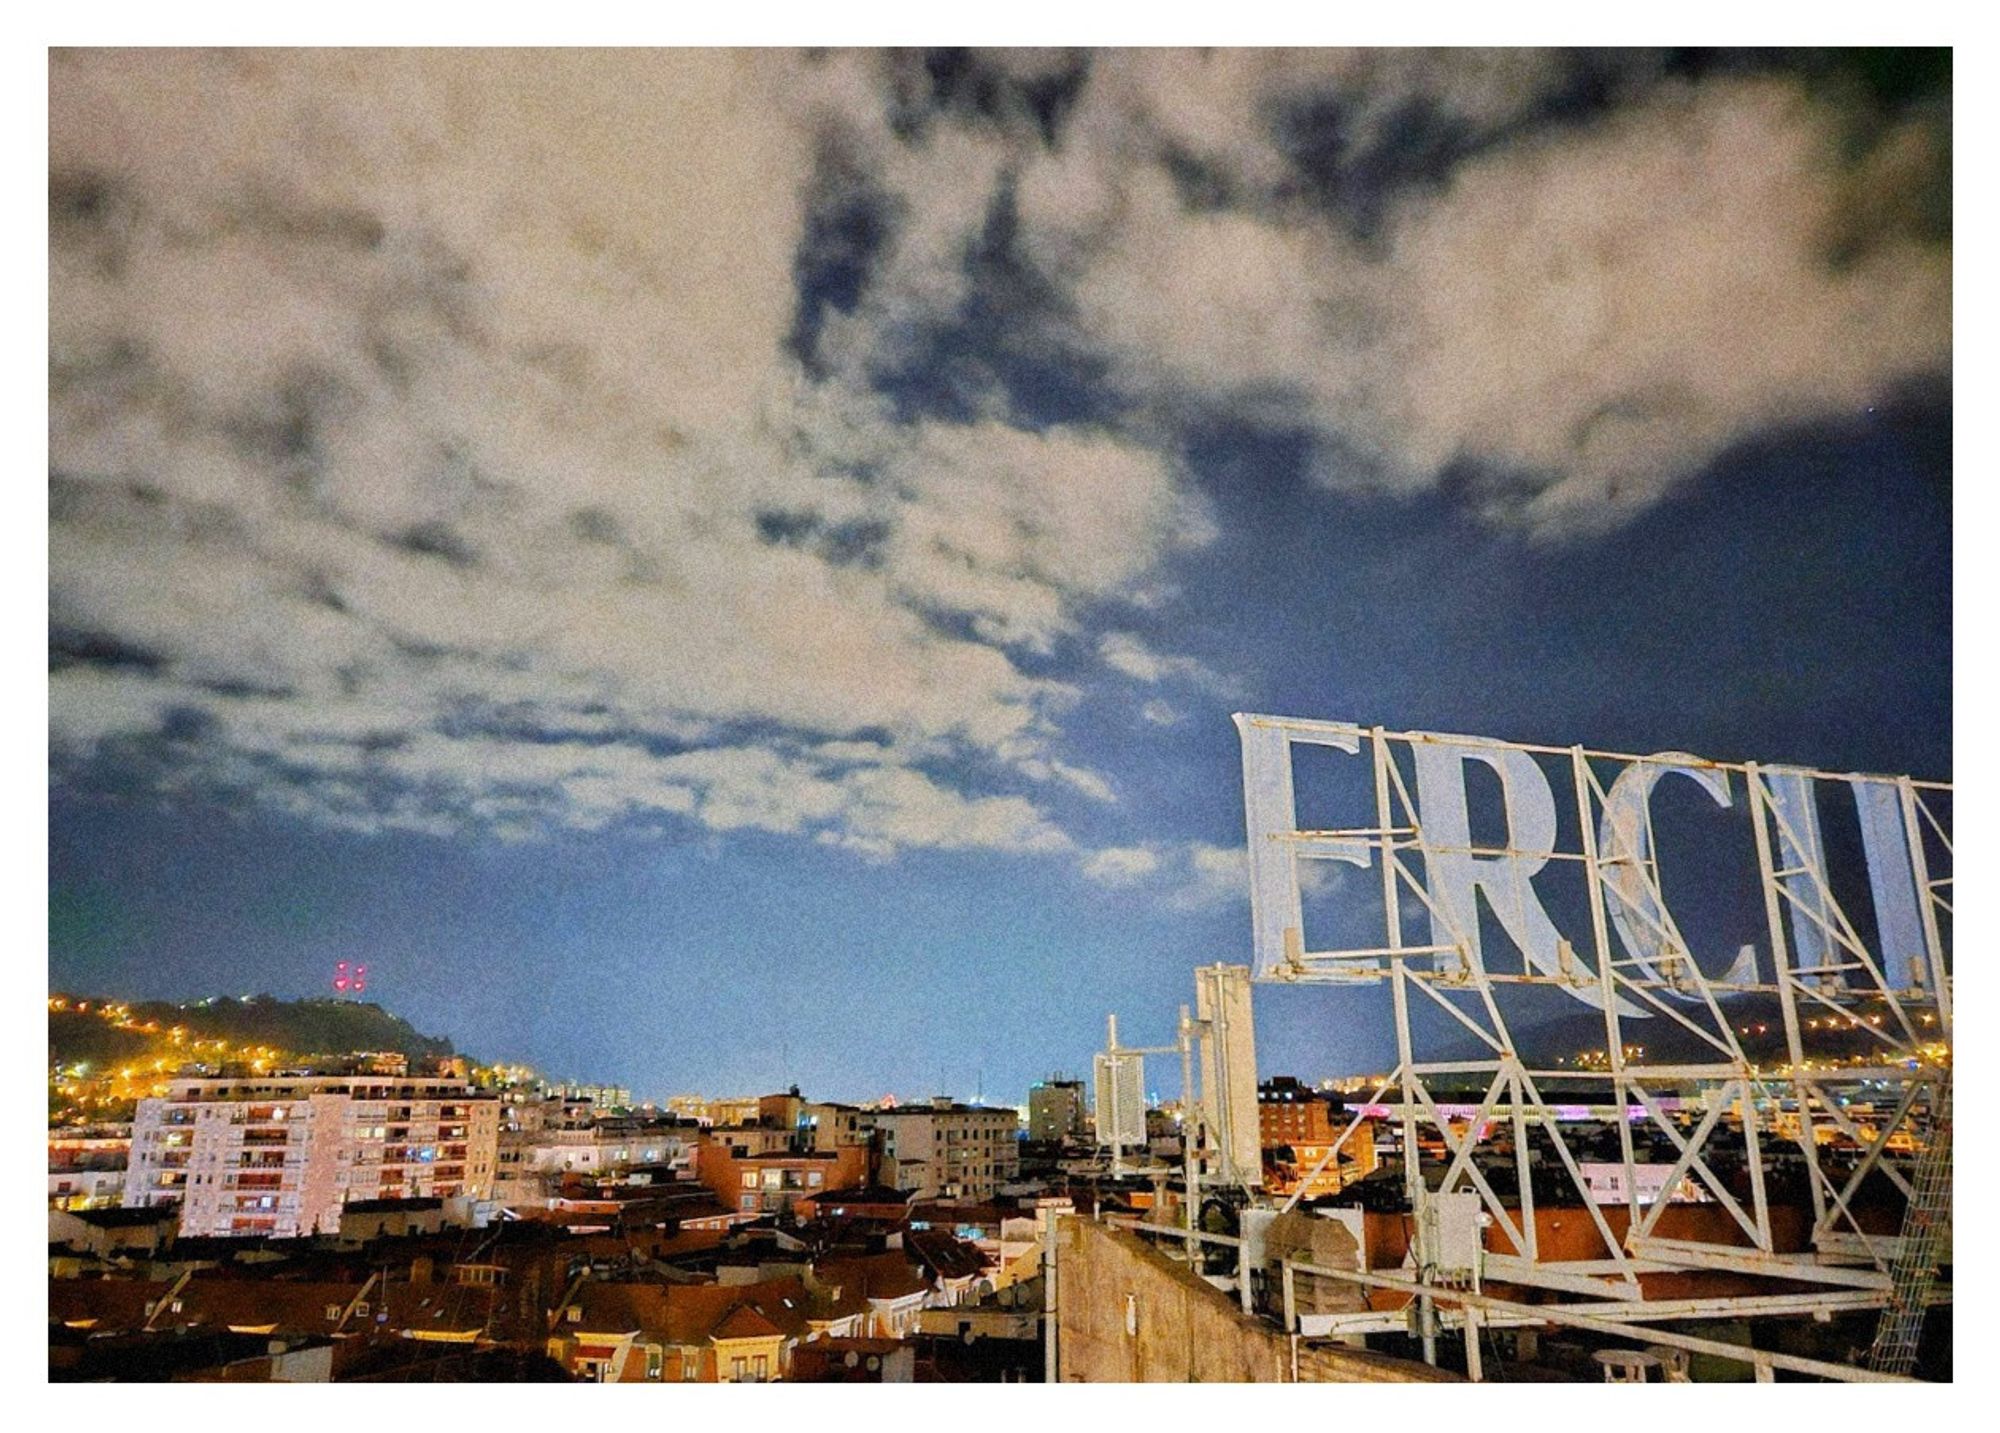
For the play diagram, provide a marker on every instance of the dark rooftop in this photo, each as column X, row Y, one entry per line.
column 125, row 1218
column 413, row 1205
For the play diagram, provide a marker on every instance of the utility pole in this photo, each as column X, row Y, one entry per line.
column 1050, row 1364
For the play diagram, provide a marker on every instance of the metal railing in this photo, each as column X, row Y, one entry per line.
column 1473, row 1309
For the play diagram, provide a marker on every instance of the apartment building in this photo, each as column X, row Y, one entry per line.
column 279, row 1155
column 742, row 1110
column 87, row 1166
column 758, row 1181
column 1056, row 1111
column 600, row 1097
column 945, row 1150
column 542, row 1140
column 1296, row 1126
column 825, row 1126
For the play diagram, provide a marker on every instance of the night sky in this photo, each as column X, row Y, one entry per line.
column 712, row 570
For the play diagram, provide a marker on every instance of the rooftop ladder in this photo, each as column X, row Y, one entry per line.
column 1926, row 1225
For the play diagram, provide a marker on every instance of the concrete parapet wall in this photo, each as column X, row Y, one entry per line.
column 1128, row 1314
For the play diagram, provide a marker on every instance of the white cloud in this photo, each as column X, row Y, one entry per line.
column 1210, row 875
column 1189, row 875
column 1206, row 876
column 511, row 484
column 1608, row 310
column 1590, row 313
column 510, row 501
column 1123, row 652
column 1121, row 865
column 1159, row 713
column 1596, row 313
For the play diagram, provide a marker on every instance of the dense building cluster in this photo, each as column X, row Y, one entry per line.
column 358, row 1219
column 372, row 1217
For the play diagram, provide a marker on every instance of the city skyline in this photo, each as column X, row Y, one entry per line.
column 713, row 571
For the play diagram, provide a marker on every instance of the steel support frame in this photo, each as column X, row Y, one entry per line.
column 1467, row 1310
column 1793, row 1105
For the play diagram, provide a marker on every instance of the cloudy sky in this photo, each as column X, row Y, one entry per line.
column 708, row 569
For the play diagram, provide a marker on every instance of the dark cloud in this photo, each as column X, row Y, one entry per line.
column 848, row 222
column 435, row 539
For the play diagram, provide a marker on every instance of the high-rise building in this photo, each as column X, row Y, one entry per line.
column 1055, row 1110
column 280, row 1155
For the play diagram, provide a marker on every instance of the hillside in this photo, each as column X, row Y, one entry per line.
column 78, row 1031
column 1576, row 1038
column 105, row 1054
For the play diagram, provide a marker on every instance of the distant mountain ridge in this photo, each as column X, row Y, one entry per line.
column 313, row 1026
column 1757, row 1020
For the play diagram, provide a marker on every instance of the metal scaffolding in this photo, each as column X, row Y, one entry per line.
column 1841, row 1119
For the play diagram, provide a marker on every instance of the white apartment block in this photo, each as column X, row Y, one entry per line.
column 542, row 1140
column 600, row 1150
column 604, row 1099
column 949, row 1151
column 280, row 1155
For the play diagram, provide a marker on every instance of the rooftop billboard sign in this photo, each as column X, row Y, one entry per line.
column 1553, row 865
